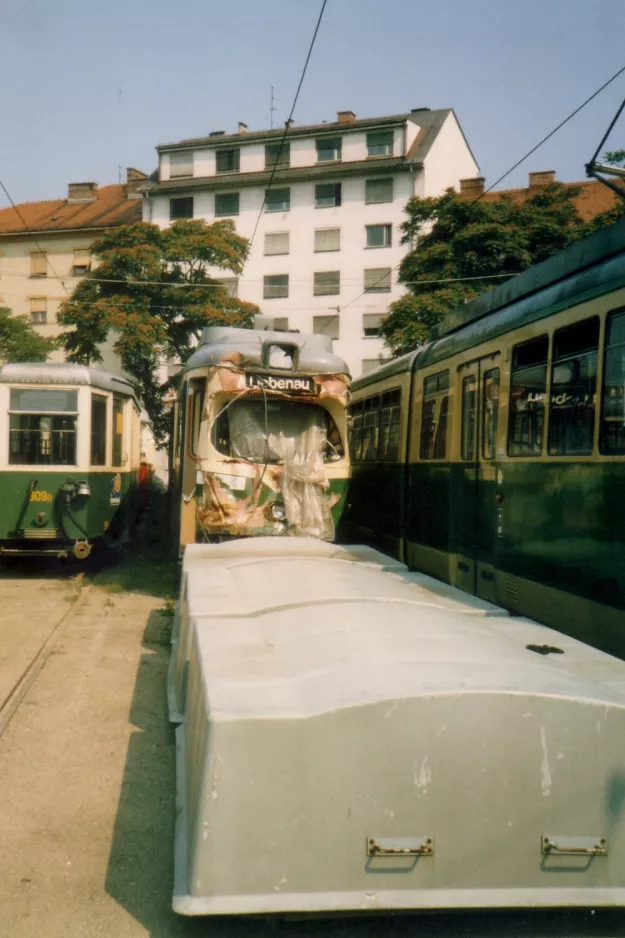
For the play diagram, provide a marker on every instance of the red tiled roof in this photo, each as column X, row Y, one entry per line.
column 593, row 199
column 110, row 207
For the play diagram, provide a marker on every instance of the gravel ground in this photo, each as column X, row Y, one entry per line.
column 87, row 787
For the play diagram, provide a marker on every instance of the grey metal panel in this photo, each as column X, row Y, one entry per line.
column 63, row 373
column 335, row 703
column 315, row 355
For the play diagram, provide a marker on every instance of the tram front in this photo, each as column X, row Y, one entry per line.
column 261, row 443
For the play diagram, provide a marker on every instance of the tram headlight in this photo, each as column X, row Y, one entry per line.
column 277, row 512
column 83, row 490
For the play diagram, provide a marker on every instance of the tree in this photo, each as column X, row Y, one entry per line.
column 19, row 342
column 479, row 239
column 153, row 292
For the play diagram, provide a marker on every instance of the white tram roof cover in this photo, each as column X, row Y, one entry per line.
column 351, row 739
column 64, row 373
column 312, row 353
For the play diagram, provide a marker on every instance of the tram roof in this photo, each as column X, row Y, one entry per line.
column 313, row 353
column 64, row 373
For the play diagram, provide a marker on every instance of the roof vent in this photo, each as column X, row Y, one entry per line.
column 415, row 110
column 217, row 133
column 345, row 117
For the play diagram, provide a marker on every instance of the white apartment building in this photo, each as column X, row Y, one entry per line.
column 326, row 250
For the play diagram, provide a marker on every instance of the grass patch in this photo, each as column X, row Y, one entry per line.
column 145, row 564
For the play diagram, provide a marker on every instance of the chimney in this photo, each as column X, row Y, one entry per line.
column 345, row 117
column 472, row 188
column 82, row 191
column 242, row 128
column 217, row 133
column 134, row 179
column 544, row 178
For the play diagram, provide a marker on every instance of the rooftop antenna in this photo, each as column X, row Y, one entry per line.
column 272, row 108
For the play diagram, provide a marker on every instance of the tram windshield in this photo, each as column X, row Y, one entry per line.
column 270, row 431
column 42, row 427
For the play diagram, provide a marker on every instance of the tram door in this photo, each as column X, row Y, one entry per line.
column 474, row 477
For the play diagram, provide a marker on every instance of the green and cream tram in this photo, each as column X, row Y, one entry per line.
column 69, row 458
column 260, row 442
column 494, row 458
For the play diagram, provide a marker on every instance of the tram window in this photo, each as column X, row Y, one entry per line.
column 573, row 386
column 434, row 417
column 390, row 404
column 528, row 388
column 270, row 431
column 197, row 389
column 356, row 431
column 490, row 412
column 371, row 428
column 118, row 429
column 612, row 433
column 42, row 427
column 467, row 448
column 98, row 430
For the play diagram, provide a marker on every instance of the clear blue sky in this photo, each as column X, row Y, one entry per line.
column 92, row 84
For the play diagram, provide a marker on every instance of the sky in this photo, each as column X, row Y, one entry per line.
column 94, row 85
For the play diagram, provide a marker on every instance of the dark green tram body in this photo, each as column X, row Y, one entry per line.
column 509, row 476
column 69, row 459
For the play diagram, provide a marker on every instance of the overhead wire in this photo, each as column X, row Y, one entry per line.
column 507, row 173
column 32, row 234
column 287, row 126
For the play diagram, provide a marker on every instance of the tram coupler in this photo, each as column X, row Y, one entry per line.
column 82, row 549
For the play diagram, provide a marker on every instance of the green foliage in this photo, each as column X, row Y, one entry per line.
column 153, row 292
column 616, row 157
column 467, row 239
column 19, row 342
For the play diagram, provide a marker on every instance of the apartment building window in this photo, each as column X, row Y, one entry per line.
column 326, row 325
column 180, row 164
column 275, row 286
column 329, row 150
column 378, row 190
column 81, row 261
column 380, row 143
column 328, row 239
column 38, row 263
column 327, row 282
column 278, row 156
column 328, row 195
column 278, row 200
column 378, row 280
column 228, row 161
column 280, row 323
column 371, row 323
column 226, row 203
column 230, row 285
column 277, row 242
column 38, row 310
column 181, row 208
column 379, row 236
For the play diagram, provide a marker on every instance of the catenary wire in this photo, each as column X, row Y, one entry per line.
column 31, row 233
column 283, row 138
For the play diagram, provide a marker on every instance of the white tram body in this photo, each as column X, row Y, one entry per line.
column 356, row 737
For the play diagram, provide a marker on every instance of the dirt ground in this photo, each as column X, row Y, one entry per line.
column 87, row 784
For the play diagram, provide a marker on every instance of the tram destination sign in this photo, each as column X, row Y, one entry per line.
column 288, row 384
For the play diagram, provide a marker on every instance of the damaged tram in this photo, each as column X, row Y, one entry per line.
column 260, row 442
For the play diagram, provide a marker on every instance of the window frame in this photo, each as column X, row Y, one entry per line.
column 47, row 413
column 387, row 239
column 332, row 326
column 435, row 426
column 540, row 411
column 187, row 199
column 222, row 154
column 376, row 288
column 274, row 234
column 317, row 250
column 282, row 208
column 269, row 287
column 187, row 160
column 331, row 287
column 372, row 182
column 227, row 195
column 117, row 435
column 284, row 162
column 387, row 152
column 335, row 149
column 337, row 195
column 553, row 449
column 608, row 346
column 100, row 399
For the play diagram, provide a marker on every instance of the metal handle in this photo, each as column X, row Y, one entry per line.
column 400, row 847
column 579, row 846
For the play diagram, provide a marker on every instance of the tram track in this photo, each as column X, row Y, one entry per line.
column 19, row 689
